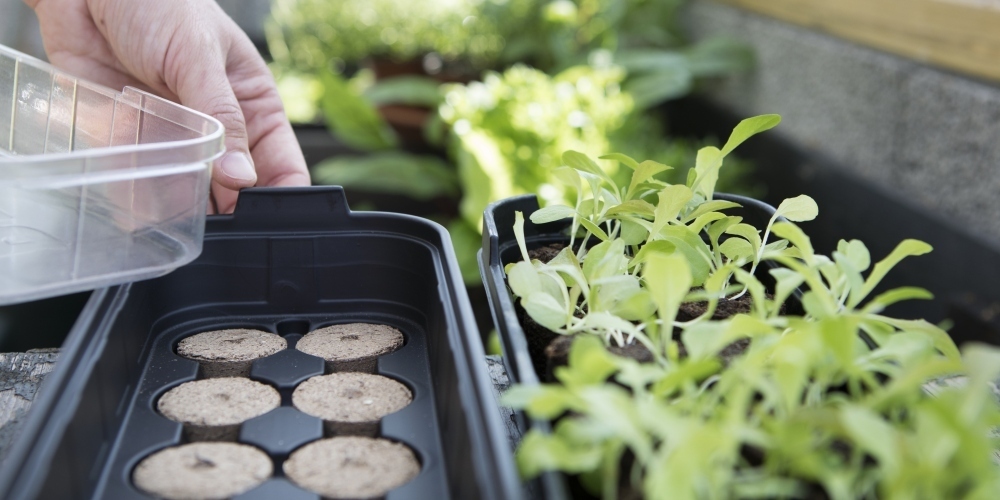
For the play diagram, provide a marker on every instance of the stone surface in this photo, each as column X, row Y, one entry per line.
column 21, row 374
column 924, row 132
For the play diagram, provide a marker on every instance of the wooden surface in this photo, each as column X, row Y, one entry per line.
column 963, row 35
column 21, row 374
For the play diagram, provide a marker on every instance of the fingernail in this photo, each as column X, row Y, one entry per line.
column 237, row 166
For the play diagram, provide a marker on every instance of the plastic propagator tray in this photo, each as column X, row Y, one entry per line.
column 287, row 261
column 97, row 187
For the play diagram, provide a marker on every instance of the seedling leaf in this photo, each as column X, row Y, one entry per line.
column 802, row 208
column 906, row 248
column 748, row 128
column 552, row 213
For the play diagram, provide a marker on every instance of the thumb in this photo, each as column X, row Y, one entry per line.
column 206, row 88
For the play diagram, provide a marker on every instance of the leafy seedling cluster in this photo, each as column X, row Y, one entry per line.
column 827, row 401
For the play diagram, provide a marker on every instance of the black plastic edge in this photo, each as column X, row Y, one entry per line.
column 59, row 395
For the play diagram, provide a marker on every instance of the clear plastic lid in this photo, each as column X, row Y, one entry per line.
column 97, row 187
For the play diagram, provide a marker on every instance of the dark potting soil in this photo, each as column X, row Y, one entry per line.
column 726, row 308
column 546, row 253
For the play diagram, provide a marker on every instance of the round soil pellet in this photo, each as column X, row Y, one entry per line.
column 213, row 409
column 351, row 403
column 352, row 347
column 352, row 467
column 230, row 353
column 202, row 471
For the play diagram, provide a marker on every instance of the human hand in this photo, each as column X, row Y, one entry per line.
column 191, row 52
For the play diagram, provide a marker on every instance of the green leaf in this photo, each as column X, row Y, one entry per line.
column 519, row 235
column 705, row 219
column 645, row 171
column 668, row 279
column 393, row 172
column 706, row 167
column 886, row 299
column 580, row 161
column 568, row 176
column 709, row 206
column 906, row 248
column 633, row 233
column 796, row 237
column 872, row 433
column 605, row 260
column 799, row 209
column 748, row 128
column 624, row 159
column 632, row 207
column 786, row 283
column 672, row 201
column 589, row 363
column 552, row 213
column 411, row 90
column 747, row 232
column 594, row 229
column 523, row 279
column 659, row 246
column 736, row 249
column 857, row 252
column 692, row 247
column 352, row 118
column 540, row 453
column 545, row 310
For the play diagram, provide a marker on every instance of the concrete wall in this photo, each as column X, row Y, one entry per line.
column 931, row 134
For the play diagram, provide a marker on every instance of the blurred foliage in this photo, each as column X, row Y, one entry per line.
column 308, row 34
column 569, row 74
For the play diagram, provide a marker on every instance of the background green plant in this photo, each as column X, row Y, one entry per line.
column 599, row 66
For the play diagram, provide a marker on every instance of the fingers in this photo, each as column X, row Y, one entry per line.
column 195, row 67
column 275, row 149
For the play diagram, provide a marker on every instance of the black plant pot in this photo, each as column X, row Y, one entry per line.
column 500, row 248
column 287, row 261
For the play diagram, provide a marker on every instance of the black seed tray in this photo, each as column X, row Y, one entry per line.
column 289, row 261
column 500, row 248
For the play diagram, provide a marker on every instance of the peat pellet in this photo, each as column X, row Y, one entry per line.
column 202, row 471
column 213, row 409
column 230, row 353
column 352, row 347
column 351, row 403
column 352, row 467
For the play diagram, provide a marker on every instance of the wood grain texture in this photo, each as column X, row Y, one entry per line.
column 962, row 35
column 21, row 374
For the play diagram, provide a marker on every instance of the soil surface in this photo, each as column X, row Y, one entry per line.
column 352, row 467
column 351, row 398
column 212, row 409
column 203, row 470
column 546, row 253
column 351, row 347
column 230, row 353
